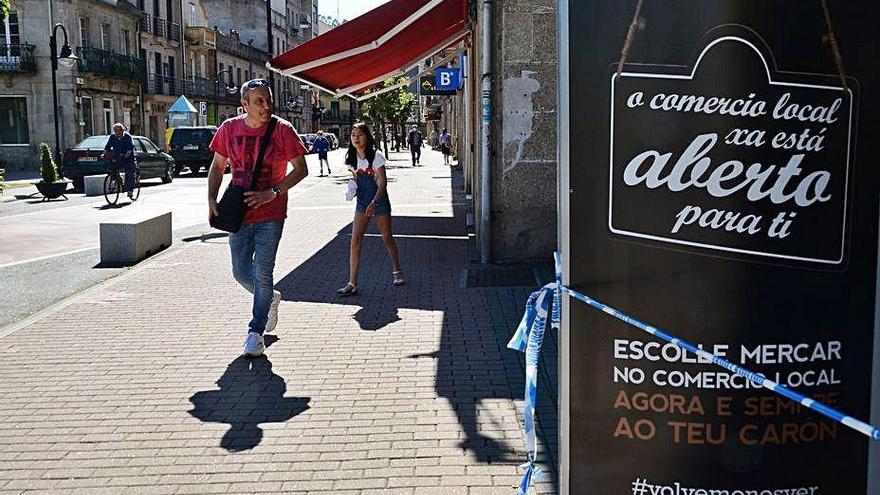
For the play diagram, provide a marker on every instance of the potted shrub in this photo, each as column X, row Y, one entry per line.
column 52, row 186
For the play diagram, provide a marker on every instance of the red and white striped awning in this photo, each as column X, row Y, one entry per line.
column 387, row 41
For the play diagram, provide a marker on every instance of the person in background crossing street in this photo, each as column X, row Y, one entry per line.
column 322, row 145
column 237, row 143
column 445, row 143
column 367, row 164
column 414, row 140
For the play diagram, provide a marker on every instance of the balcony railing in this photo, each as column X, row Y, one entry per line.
column 174, row 31
column 111, row 64
column 200, row 35
column 158, row 26
column 146, row 25
column 232, row 45
column 200, row 86
column 17, row 58
column 203, row 87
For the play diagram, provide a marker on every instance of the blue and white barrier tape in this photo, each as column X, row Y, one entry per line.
column 529, row 337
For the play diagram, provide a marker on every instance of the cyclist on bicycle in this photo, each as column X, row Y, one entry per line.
column 120, row 147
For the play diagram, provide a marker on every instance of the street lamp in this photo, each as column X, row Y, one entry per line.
column 67, row 59
column 229, row 89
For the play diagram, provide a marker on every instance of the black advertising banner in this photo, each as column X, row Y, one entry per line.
column 699, row 145
column 723, row 189
column 428, row 87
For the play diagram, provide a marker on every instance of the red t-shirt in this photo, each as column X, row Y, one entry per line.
column 240, row 145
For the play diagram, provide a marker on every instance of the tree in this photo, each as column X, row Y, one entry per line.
column 48, row 169
column 392, row 107
column 4, row 9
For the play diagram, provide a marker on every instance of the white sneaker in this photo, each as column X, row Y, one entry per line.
column 254, row 345
column 272, row 322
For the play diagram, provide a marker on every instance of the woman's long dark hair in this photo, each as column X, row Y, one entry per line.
column 351, row 158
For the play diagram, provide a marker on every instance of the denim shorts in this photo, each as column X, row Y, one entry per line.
column 366, row 191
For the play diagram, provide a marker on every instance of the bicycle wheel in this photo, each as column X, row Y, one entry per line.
column 136, row 188
column 112, row 187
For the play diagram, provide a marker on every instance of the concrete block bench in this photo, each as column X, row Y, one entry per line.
column 136, row 238
column 94, row 184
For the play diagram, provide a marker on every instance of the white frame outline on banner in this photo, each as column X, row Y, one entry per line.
column 771, row 82
column 563, row 200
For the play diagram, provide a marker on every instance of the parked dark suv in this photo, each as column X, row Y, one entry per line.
column 85, row 159
column 190, row 147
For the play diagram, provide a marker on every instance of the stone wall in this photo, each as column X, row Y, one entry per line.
column 524, row 134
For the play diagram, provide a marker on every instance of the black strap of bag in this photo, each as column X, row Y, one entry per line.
column 232, row 206
column 264, row 143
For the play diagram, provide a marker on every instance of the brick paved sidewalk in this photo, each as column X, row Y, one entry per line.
column 139, row 387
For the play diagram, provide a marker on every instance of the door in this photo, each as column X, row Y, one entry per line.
column 154, row 126
column 108, row 115
column 157, row 72
column 88, row 123
column 10, row 36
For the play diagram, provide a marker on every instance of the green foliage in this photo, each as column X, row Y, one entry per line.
column 393, row 106
column 4, row 9
column 48, row 169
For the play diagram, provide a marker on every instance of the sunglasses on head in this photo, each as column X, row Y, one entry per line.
column 256, row 83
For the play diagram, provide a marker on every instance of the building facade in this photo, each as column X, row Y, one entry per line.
column 101, row 88
column 522, row 151
column 293, row 22
column 134, row 61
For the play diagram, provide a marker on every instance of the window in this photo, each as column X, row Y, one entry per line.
column 192, row 14
column 11, row 31
column 238, row 75
column 203, row 66
column 86, row 111
column 192, row 64
column 149, row 146
column 139, row 145
column 106, row 43
column 108, row 116
column 126, row 42
column 85, row 39
column 13, row 120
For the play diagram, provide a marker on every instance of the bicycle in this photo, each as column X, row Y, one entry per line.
column 114, row 185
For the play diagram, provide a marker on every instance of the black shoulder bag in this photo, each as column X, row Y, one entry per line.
column 232, row 207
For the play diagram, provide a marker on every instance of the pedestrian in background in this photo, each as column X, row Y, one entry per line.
column 367, row 165
column 322, row 145
column 414, row 140
column 444, row 141
column 120, row 149
column 237, row 143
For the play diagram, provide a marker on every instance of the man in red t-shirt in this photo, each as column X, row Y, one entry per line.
column 254, row 246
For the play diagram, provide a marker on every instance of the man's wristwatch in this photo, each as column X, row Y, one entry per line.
column 275, row 190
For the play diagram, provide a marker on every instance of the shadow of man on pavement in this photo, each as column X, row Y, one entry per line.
column 250, row 394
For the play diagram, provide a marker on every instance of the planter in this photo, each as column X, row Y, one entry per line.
column 53, row 190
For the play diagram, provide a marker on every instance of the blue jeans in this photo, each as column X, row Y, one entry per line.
column 253, row 250
column 128, row 167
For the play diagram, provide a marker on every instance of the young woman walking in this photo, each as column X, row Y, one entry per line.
column 367, row 166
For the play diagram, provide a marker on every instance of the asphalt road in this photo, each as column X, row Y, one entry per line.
column 50, row 250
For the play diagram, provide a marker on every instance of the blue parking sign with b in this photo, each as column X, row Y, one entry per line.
column 447, row 79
